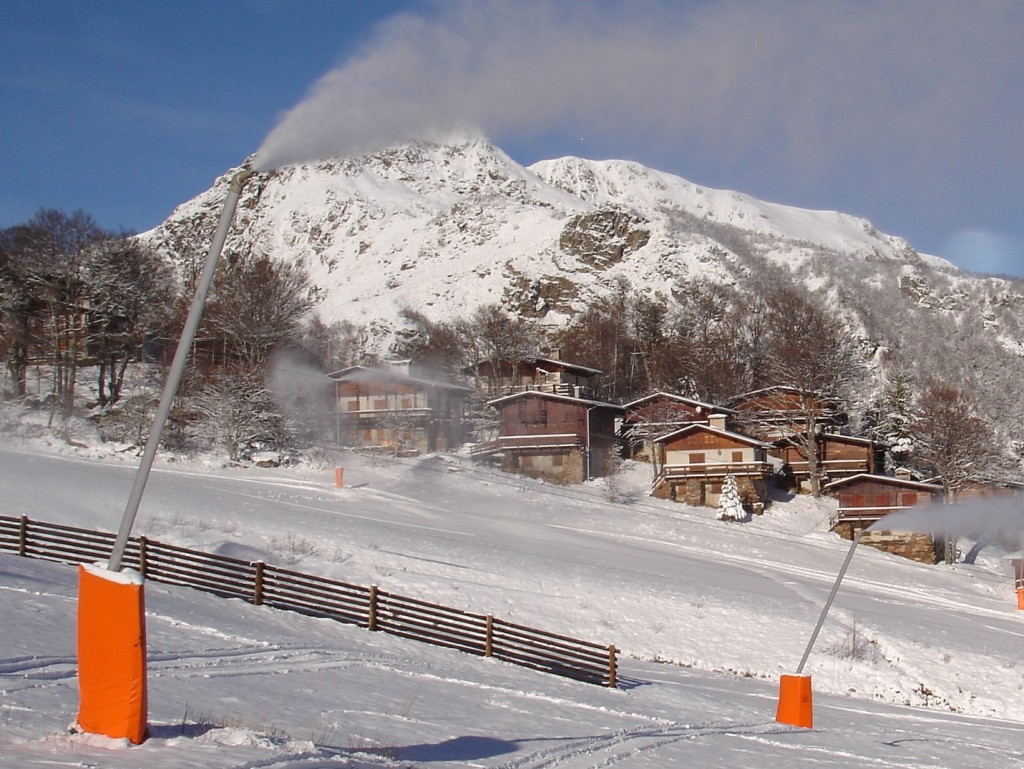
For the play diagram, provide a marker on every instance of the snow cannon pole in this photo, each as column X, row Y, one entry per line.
column 112, row 682
column 795, row 705
column 177, row 368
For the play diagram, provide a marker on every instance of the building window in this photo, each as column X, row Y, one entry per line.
column 697, row 458
column 380, row 404
column 737, row 456
column 557, row 459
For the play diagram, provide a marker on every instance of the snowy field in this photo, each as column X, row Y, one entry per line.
column 916, row 666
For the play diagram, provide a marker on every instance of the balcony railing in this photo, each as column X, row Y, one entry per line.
column 715, row 470
column 575, row 391
column 834, row 467
column 863, row 514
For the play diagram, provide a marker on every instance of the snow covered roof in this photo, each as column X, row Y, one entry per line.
column 554, row 396
column 711, row 408
column 371, row 374
column 886, row 479
column 717, row 431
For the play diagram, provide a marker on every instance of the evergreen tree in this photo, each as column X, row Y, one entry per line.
column 730, row 506
column 898, row 418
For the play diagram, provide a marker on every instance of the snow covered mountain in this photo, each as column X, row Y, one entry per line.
column 443, row 228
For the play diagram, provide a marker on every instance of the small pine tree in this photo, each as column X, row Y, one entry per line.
column 730, row 507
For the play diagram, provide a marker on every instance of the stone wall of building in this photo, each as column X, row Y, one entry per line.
column 915, row 546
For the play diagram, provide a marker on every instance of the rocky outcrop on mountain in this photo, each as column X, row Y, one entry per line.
column 603, row 238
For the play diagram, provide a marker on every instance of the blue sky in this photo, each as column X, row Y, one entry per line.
column 908, row 114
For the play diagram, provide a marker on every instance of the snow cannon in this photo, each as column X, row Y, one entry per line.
column 111, row 653
column 795, row 706
column 1016, row 566
column 111, row 600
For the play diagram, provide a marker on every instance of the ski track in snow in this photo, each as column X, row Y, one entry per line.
column 612, row 749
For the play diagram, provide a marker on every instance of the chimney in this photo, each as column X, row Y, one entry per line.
column 717, row 421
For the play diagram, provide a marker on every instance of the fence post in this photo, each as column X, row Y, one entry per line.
column 371, row 622
column 612, row 668
column 23, row 536
column 143, row 555
column 489, row 637
column 257, row 591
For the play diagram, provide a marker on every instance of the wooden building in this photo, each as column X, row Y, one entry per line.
column 560, row 438
column 540, row 374
column 866, row 499
column 839, row 456
column 388, row 409
column 693, row 462
column 660, row 413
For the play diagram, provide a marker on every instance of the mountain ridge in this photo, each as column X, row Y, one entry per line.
column 434, row 215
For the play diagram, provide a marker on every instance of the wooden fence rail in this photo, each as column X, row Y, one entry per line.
column 265, row 584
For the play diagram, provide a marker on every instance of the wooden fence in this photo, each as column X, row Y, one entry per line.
column 264, row 584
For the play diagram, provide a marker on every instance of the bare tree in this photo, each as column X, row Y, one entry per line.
column 494, row 336
column 599, row 337
column 433, row 345
column 22, row 300
column 810, row 352
column 706, row 322
column 47, row 276
column 238, row 412
column 951, row 440
column 258, row 303
column 337, row 345
column 130, row 292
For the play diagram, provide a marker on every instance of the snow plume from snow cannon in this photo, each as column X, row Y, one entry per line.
column 302, row 392
column 765, row 84
column 997, row 521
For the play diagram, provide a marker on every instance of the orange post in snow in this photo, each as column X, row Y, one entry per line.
column 111, row 654
column 795, row 707
column 1020, row 598
column 339, row 477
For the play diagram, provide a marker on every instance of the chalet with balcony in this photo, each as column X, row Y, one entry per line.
column 560, row 438
column 866, row 499
column 391, row 410
column 550, row 374
column 693, row 462
column 660, row 413
column 839, row 456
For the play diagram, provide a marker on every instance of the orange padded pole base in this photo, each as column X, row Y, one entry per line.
column 795, row 701
column 1020, row 598
column 339, row 477
column 111, row 653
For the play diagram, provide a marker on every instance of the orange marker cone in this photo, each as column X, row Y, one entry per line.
column 795, row 706
column 111, row 653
